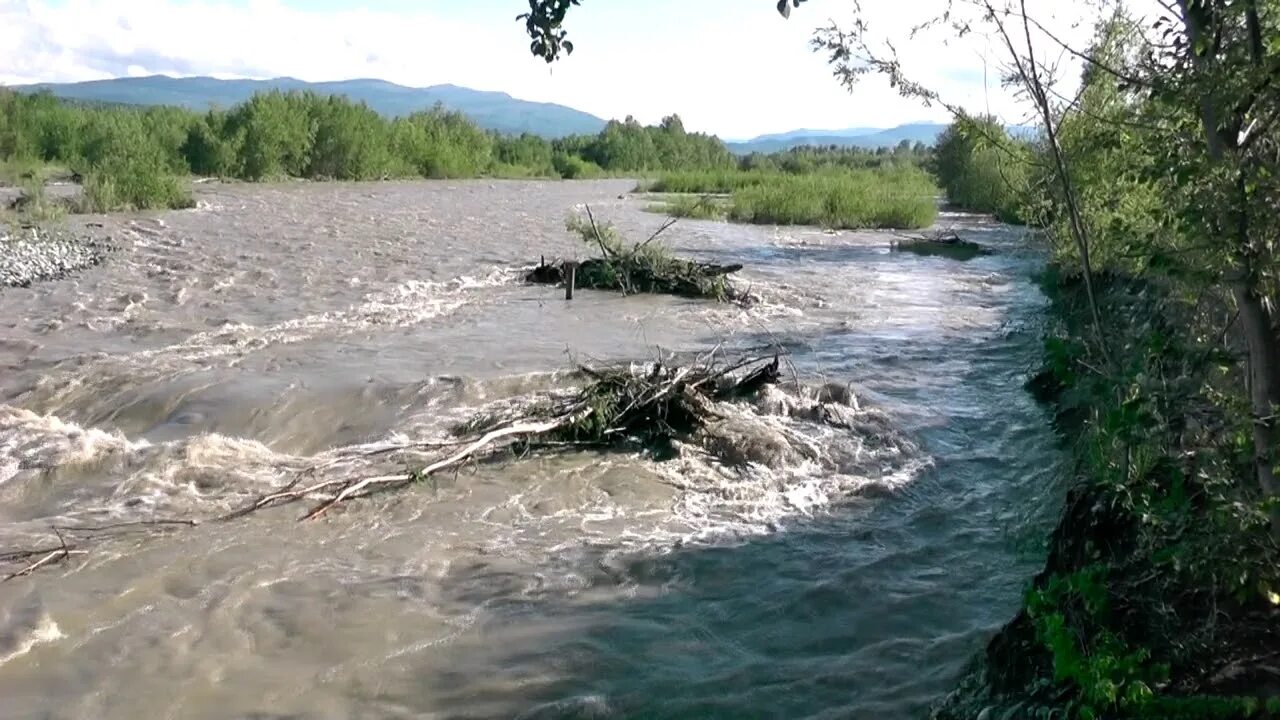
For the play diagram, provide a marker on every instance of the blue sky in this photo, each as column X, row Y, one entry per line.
column 732, row 67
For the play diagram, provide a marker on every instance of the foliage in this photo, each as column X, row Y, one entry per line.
column 133, row 182
column 890, row 196
column 350, row 141
column 442, row 144
column 982, row 168
column 209, row 149
column 544, row 24
column 1107, row 672
column 705, row 207
column 1159, row 183
column 35, row 206
column 628, row 146
column 277, row 134
column 526, row 151
column 894, row 198
column 274, row 133
column 572, row 167
column 714, row 182
column 1162, row 570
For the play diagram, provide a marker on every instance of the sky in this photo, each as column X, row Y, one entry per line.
column 730, row 67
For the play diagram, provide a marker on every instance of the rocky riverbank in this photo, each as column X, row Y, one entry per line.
column 34, row 254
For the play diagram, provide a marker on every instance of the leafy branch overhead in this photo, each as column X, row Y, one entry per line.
column 549, row 40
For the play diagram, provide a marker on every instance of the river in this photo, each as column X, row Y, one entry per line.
column 277, row 327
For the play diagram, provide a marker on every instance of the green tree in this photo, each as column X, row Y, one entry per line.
column 209, row 148
column 351, row 141
column 981, row 168
column 273, row 134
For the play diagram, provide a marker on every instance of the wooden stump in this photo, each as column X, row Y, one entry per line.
column 570, row 278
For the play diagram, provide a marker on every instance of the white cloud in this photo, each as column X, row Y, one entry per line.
column 727, row 66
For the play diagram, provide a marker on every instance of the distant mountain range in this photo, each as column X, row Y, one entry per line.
column 862, row 137
column 490, row 110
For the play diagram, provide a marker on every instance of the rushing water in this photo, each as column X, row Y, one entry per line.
column 844, row 573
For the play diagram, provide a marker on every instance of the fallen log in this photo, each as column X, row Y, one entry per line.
column 944, row 243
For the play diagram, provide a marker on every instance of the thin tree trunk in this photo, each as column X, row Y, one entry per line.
column 1255, row 318
column 1030, row 76
column 1264, row 388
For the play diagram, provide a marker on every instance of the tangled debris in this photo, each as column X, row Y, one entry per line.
column 72, row 541
column 645, row 267
column 943, row 243
column 649, row 407
column 626, row 407
column 733, row 410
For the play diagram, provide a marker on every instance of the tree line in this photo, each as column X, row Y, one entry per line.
column 277, row 135
column 139, row 156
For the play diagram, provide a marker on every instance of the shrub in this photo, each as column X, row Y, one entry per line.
column 687, row 206
column 983, row 169
column 137, row 181
column 572, row 167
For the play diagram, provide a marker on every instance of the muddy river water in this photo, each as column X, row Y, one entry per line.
column 224, row 349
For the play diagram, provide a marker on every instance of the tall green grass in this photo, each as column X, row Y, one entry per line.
column 892, row 196
column 704, row 182
column 35, row 206
column 900, row 198
column 698, row 207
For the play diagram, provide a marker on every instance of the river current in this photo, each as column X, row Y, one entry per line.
column 837, row 573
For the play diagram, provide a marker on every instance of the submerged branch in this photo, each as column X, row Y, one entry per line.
column 647, row 408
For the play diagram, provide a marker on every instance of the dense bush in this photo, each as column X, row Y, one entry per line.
column 629, row 146
column 982, row 168
column 1161, row 588
column 208, row 149
column 350, row 142
column 572, row 167
column 529, row 152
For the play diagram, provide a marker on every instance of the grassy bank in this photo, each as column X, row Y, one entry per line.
column 708, row 182
column 894, row 196
column 696, row 207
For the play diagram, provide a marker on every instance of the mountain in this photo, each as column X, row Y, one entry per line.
column 491, row 110
column 872, row 138
column 806, row 133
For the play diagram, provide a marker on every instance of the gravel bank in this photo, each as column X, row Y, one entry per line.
column 33, row 255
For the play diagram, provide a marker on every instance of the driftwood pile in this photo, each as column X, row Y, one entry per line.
column 633, row 407
column 637, row 408
column 645, row 267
